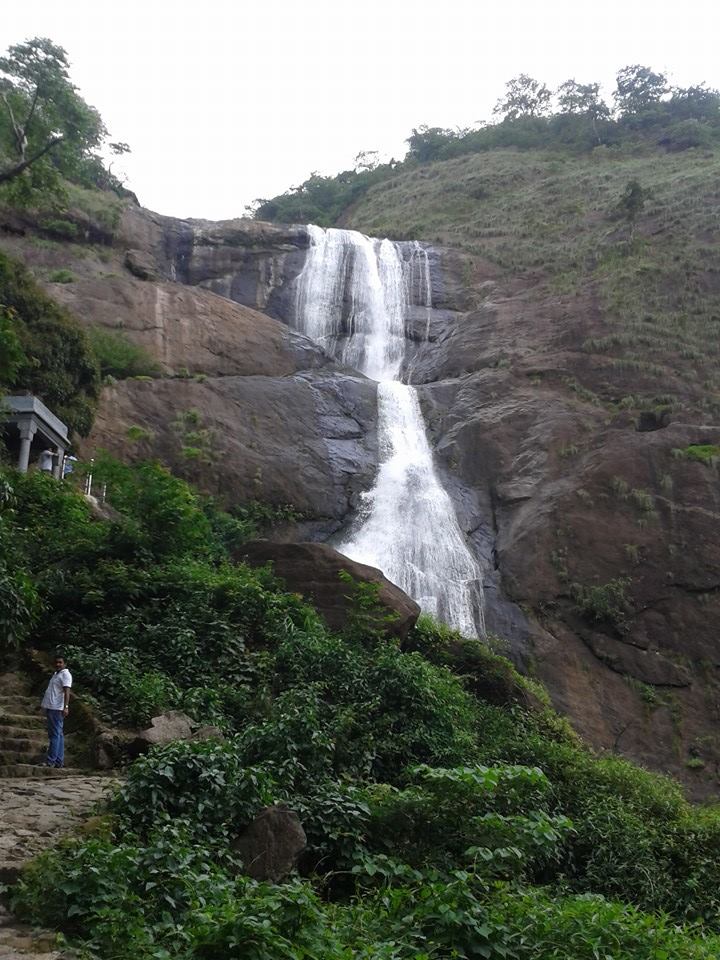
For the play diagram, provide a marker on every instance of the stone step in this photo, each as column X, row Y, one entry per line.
column 21, row 720
column 26, row 744
column 13, row 683
column 32, row 771
column 17, row 699
column 28, row 733
column 26, row 941
column 22, row 756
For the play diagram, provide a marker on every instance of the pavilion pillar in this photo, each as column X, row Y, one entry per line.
column 58, row 458
column 27, row 432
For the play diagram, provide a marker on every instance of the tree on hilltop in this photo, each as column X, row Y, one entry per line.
column 524, row 97
column 426, row 143
column 583, row 100
column 47, row 130
column 638, row 88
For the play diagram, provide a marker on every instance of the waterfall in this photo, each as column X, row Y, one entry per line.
column 354, row 295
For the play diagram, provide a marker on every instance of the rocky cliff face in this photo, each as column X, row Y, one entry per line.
column 560, row 499
column 604, row 532
column 279, row 420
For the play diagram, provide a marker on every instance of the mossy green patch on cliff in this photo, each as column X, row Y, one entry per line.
column 58, row 364
column 706, row 453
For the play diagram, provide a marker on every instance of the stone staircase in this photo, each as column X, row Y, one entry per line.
column 23, row 739
column 38, row 806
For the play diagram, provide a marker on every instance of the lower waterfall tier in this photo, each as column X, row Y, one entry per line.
column 408, row 526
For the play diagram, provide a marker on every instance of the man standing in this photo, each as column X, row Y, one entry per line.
column 55, row 703
column 45, row 461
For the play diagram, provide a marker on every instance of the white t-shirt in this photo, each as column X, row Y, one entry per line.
column 54, row 698
column 45, row 460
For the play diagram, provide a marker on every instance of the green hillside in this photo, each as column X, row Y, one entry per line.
column 449, row 812
column 555, row 224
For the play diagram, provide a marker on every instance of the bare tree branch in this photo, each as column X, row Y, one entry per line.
column 20, row 138
column 20, row 167
column 36, row 97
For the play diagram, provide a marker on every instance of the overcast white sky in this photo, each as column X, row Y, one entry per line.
column 223, row 101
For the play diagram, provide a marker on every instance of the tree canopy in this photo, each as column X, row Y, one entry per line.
column 47, row 130
column 524, row 97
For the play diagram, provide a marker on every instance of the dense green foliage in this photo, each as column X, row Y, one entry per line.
column 448, row 812
column 117, row 356
column 707, row 453
column 48, row 133
column 647, row 114
column 49, row 353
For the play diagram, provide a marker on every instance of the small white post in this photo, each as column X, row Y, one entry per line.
column 89, row 479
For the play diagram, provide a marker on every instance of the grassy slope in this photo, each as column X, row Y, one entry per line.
column 550, row 220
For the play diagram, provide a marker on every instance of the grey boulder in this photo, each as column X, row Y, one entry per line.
column 271, row 845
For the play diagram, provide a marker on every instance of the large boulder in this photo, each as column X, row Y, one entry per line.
column 142, row 265
column 271, row 845
column 169, row 726
column 314, row 569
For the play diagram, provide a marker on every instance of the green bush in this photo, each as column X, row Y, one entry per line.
column 707, row 453
column 12, row 357
column 448, row 811
column 61, row 276
column 605, row 601
column 118, row 357
column 60, row 229
column 203, row 783
column 492, row 818
column 57, row 363
column 588, row 927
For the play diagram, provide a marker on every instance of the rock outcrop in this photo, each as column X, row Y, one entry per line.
column 169, row 726
column 280, row 421
column 314, row 569
column 269, row 848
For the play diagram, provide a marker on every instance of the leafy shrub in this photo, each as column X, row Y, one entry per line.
column 588, row 927
column 57, row 363
column 118, row 357
column 707, row 453
column 492, row 817
column 61, row 276
column 60, row 229
column 133, row 694
column 605, row 601
column 11, row 354
column 203, row 782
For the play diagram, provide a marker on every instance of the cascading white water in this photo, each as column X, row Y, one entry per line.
column 353, row 296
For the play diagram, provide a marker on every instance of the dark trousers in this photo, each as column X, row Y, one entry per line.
column 56, row 739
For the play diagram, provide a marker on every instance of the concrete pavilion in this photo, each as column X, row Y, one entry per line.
column 36, row 427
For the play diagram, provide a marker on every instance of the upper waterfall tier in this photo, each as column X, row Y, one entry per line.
column 353, row 296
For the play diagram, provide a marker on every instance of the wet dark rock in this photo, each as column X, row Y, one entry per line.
column 653, row 420
column 271, row 845
column 141, row 265
column 313, row 569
